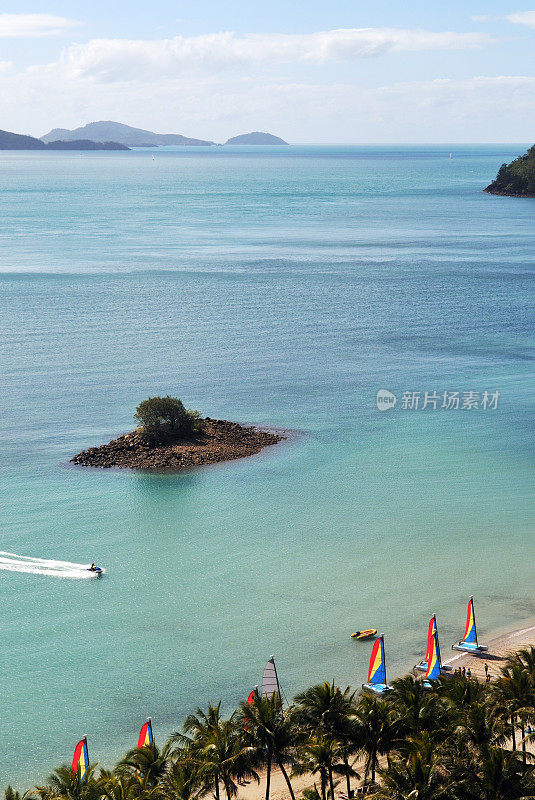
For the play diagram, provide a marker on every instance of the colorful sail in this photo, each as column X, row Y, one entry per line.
column 470, row 634
column 80, row 761
column 270, row 680
column 145, row 735
column 250, row 700
column 252, row 696
column 433, row 658
column 430, row 631
column 377, row 669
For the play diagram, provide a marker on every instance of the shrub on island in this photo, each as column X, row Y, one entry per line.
column 164, row 416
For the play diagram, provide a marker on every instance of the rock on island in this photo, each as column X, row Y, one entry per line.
column 215, row 441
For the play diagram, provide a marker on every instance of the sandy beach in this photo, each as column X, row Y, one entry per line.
column 500, row 646
column 500, row 643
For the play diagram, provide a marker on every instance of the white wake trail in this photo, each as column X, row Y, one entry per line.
column 45, row 566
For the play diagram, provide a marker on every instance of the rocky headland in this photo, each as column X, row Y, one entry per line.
column 516, row 179
column 217, row 440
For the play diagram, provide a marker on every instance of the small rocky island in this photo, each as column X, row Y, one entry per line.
column 516, row 179
column 173, row 438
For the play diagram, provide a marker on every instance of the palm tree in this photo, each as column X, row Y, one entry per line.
column 331, row 711
column 271, row 734
column 459, row 692
column 122, row 785
column 202, row 726
column 316, row 756
column 183, row 781
column 418, row 709
column 515, row 691
column 419, row 775
column 481, row 728
column 501, row 776
column 64, row 784
column 149, row 762
column 13, row 794
column 525, row 657
column 217, row 748
column 377, row 729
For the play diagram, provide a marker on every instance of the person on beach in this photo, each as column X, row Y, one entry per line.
column 468, row 673
column 487, row 678
column 486, row 670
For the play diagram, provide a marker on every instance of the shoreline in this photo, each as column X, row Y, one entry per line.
column 500, row 642
column 508, row 194
column 218, row 441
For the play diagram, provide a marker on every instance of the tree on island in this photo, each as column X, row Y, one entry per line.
column 167, row 415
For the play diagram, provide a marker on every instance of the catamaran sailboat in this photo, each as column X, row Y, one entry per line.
column 433, row 629
column 469, row 643
column 433, row 659
column 377, row 669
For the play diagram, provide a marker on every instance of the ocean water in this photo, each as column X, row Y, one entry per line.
column 277, row 287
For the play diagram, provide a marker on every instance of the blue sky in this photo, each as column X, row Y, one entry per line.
column 339, row 71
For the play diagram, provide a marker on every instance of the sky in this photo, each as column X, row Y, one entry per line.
column 329, row 71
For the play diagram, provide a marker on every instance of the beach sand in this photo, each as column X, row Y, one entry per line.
column 500, row 644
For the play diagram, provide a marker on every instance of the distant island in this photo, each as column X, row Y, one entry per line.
column 116, row 136
column 108, row 131
column 124, row 134
column 173, row 438
column 256, row 137
column 516, row 179
column 17, row 141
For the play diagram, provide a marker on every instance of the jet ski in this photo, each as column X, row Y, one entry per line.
column 97, row 571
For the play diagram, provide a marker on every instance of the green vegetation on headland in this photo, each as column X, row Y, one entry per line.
column 459, row 740
column 516, row 179
column 17, row 141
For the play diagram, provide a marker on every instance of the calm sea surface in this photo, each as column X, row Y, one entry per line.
column 279, row 287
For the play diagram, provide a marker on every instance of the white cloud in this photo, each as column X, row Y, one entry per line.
column 215, row 107
column 124, row 59
column 523, row 18
column 33, row 25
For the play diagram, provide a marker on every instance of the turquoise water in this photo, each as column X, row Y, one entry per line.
column 275, row 287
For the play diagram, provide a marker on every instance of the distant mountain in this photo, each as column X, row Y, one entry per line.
column 257, row 137
column 516, row 179
column 16, row 141
column 117, row 132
